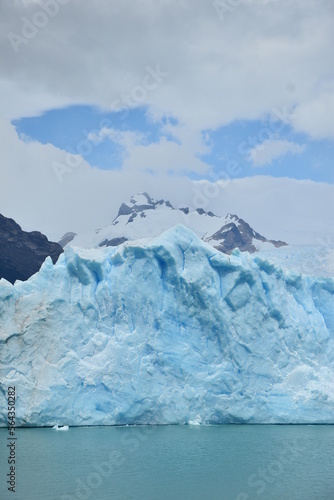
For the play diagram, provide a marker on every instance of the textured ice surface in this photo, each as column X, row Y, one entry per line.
column 166, row 331
column 316, row 260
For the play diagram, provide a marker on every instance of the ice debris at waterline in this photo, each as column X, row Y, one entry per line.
column 60, row 427
column 167, row 331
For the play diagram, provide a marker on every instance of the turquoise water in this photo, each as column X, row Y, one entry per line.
column 228, row 462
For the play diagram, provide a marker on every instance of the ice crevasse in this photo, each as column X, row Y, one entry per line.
column 167, row 331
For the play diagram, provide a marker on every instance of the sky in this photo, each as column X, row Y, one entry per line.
column 227, row 104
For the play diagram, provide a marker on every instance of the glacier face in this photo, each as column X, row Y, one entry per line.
column 167, row 331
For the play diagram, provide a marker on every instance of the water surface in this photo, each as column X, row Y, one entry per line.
column 225, row 462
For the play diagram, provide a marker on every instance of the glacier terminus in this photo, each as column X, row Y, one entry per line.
column 167, row 330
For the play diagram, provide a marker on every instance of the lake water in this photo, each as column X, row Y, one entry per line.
column 227, row 462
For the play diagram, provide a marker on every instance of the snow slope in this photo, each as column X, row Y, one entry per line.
column 167, row 330
column 145, row 217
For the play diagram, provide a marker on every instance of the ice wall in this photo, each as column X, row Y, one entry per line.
column 167, row 331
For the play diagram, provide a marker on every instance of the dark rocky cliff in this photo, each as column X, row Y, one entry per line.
column 22, row 253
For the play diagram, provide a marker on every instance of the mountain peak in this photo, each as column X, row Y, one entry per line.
column 141, row 199
column 236, row 233
column 139, row 203
column 231, row 218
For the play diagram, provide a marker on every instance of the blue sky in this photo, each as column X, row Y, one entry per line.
column 229, row 146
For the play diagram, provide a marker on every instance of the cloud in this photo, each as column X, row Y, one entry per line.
column 316, row 116
column 176, row 151
column 31, row 193
column 262, row 55
column 124, row 138
column 264, row 154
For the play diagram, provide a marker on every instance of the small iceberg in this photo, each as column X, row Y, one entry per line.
column 60, row 427
column 196, row 421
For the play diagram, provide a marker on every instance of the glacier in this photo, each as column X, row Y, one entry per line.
column 167, row 330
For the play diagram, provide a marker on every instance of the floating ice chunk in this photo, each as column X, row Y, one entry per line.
column 60, row 428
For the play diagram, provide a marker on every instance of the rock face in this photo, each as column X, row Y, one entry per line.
column 236, row 233
column 167, row 331
column 22, row 253
column 67, row 238
column 112, row 243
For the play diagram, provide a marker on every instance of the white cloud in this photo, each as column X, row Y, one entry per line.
column 261, row 56
column 181, row 154
column 89, row 198
column 271, row 149
column 316, row 116
column 124, row 138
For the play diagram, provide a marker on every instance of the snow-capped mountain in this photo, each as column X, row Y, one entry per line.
column 22, row 253
column 144, row 217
